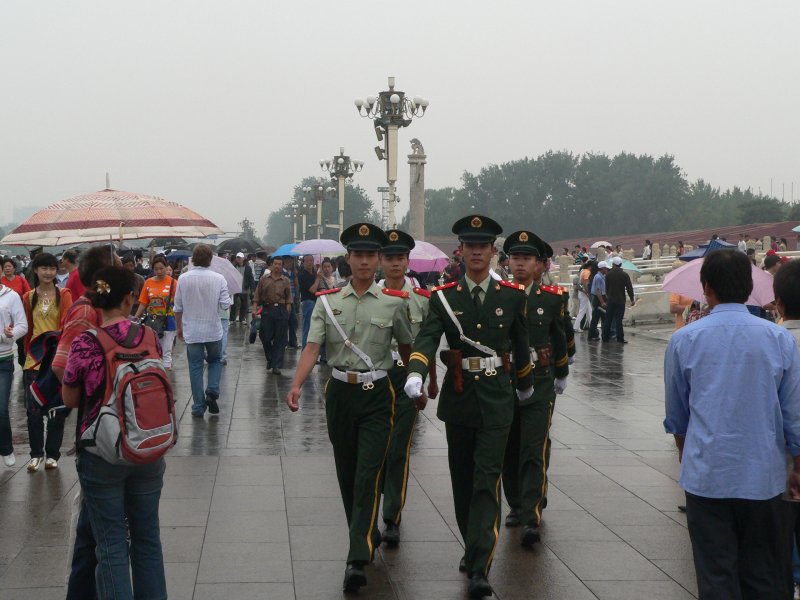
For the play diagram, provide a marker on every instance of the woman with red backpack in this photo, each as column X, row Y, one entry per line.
column 122, row 495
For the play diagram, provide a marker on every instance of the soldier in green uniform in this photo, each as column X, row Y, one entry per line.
column 356, row 323
column 394, row 260
column 483, row 321
column 569, row 329
column 525, row 467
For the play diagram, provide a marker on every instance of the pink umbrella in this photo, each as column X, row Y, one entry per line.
column 426, row 257
column 107, row 215
column 225, row 268
column 686, row 282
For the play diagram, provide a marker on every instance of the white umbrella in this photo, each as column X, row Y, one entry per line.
column 321, row 246
column 228, row 271
column 600, row 244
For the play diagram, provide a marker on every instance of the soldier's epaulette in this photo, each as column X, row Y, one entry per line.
column 422, row 292
column 553, row 289
column 395, row 293
column 330, row 291
column 444, row 287
column 513, row 286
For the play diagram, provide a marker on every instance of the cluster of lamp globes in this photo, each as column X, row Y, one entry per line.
column 321, row 189
column 373, row 106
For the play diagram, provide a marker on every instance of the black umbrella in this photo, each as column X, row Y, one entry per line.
column 235, row 245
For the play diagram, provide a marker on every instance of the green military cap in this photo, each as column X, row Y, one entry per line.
column 477, row 229
column 363, row 236
column 398, row 242
column 523, row 242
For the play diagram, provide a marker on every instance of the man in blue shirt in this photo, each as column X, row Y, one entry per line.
column 598, row 293
column 732, row 389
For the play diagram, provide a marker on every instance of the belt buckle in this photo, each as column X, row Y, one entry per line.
column 474, row 363
column 352, row 378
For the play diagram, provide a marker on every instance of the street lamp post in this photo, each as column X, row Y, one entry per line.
column 341, row 169
column 316, row 195
column 391, row 110
column 293, row 215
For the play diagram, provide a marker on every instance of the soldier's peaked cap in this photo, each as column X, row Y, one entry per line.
column 398, row 242
column 477, row 229
column 524, row 242
column 363, row 236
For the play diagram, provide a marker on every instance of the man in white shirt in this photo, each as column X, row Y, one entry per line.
column 201, row 294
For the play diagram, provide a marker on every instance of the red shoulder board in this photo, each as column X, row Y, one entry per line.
column 513, row 286
column 422, row 292
column 553, row 289
column 444, row 287
column 330, row 291
column 395, row 293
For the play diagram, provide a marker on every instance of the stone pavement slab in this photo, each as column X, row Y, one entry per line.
column 251, row 506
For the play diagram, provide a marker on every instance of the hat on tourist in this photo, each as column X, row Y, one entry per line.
column 602, row 265
column 397, row 242
column 363, row 236
column 477, row 229
column 617, row 261
column 240, row 255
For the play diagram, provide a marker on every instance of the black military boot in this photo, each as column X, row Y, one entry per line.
column 530, row 536
column 512, row 518
column 479, row 587
column 391, row 535
column 354, row 577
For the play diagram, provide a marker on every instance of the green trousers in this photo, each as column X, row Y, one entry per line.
column 360, row 427
column 476, row 465
column 395, row 477
column 527, row 457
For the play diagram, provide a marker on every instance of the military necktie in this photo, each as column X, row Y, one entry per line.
column 476, row 296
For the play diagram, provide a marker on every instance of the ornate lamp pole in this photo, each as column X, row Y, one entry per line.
column 390, row 111
column 293, row 215
column 341, row 169
column 315, row 196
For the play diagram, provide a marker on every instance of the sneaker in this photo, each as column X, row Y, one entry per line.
column 50, row 463
column 796, row 595
column 211, row 403
column 9, row 460
column 34, row 463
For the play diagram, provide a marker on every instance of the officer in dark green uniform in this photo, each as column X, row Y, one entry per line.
column 356, row 323
column 394, row 261
column 569, row 329
column 483, row 321
column 525, row 468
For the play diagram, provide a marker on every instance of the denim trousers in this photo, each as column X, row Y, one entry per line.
column 114, row 493
column 6, row 377
column 293, row 325
column 36, row 416
column 82, row 584
column 197, row 354
column 226, row 325
column 307, row 306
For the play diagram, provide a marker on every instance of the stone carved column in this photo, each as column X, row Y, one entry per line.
column 416, row 213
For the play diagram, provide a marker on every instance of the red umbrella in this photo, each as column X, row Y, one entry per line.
column 109, row 215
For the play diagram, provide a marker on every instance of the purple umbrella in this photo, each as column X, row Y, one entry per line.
column 686, row 282
column 225, row 268
column 425, row 257
column 321, row 246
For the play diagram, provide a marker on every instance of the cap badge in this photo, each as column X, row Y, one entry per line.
column 393, row 237
column 476, row 222
column 498, row 312
column 540, row 311
column 363, row 231
column 523, row 237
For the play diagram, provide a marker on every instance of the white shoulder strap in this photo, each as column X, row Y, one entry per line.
column 462, row 337
column 358, row 351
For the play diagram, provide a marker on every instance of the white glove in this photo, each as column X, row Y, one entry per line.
column 560, row 384
column 525, row 394
column 571, row 359
column 413, row 386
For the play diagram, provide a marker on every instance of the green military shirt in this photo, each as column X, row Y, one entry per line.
column 417, row 308
column 500, row 324
column 546, row 327
column 369, row 321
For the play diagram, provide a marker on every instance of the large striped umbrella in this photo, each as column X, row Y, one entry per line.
column 109, row 215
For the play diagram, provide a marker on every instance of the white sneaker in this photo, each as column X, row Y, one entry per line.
column 10, row 460
column 50, row 463
column 796, row 591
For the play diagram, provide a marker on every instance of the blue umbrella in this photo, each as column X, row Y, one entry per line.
column 285, row 250
column 706, row 248
column 179, row 255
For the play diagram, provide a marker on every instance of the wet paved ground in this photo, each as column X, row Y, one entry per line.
column 251, row 506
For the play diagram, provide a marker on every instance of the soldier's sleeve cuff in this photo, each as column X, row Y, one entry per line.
column 524, row 371
column 418, row 356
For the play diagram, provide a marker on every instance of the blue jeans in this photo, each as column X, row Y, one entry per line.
column 114, row 493
column 293, row 324
column 197, row 354
column 82, row 584
column 226, row 325
column 6, row 376
column 307, row 307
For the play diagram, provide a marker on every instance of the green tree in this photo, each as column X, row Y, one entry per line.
column 761, row 209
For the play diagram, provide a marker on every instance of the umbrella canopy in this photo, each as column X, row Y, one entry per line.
column 705, row 249
column 426, row 257
column 109, row 215
column 629, row 266
column 600, row 244
column 179, row 255
column 228, row 271
column 239, row 244
column 321, row 246
column 686, row 282
column 285, row 250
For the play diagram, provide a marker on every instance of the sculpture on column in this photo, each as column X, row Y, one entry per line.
column 416, row 212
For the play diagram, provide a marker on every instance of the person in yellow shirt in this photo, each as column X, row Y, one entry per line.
column 677, row 306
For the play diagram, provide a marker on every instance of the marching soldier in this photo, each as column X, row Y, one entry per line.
column 356, row 323
column 569, row 329
column 483, row 321
column 525, row 467
column 394, row 260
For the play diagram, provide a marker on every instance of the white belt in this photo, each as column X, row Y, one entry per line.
column 353, row 377
column 397, row 358
column 488, row 365
column 534, row 356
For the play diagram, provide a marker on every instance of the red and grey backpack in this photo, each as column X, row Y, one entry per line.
column 136, row 423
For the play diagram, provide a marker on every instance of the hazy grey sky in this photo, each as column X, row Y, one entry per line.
column 225, row 106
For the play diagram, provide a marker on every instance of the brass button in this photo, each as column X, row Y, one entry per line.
column 477, row 377
column 358, row 322
column 479, row 325
column 501, row 325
